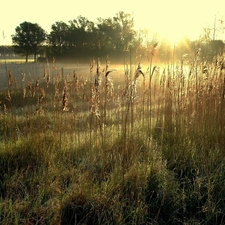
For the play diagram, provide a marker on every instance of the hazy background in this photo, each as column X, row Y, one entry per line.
column 172, row 19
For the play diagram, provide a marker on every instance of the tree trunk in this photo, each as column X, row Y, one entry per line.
column 26, row 58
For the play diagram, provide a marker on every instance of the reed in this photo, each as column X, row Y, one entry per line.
column 108, row 148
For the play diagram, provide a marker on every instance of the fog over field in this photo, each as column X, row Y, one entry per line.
column 36, row 70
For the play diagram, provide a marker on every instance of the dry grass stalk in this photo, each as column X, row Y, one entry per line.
column 92, row 64
column 97, row 77
column 56, row 95
column 139, row 72
column 40, row 102
column 48, row 78
column 107, row 63
column 65, row 99
column 8, row 96
column 4, row 109
column 126, row 73
column 45, row 73
column 23, row 76
column 95, row 102
column 37, row 84
column 76, row 81
column 24, row 93
column 10, row 78
column 42, row 96
column 108, row 80
column 109, row 83
column 53, row 63
column 131, row 87
column 31, row 89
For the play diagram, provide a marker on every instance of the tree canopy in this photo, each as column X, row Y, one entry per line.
column 28, row 38
column 82, row 37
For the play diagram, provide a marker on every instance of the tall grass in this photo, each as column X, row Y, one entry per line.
column 100, row 148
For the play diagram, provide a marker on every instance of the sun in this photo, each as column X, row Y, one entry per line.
column 173, row 20
column 171, row 31
column 169, row 36
column 173, row 40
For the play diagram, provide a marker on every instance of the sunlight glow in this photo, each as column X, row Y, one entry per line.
column 172, row 19
column 176, row 19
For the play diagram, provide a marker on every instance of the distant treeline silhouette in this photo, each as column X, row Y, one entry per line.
column 81, row 38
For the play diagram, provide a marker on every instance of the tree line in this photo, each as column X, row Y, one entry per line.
column 115, row 36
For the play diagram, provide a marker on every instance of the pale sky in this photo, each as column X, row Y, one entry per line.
column 170, row 18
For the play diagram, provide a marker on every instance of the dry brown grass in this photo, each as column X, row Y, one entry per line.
column 113, row 148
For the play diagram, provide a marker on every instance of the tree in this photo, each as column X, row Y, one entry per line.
column 218, row 28
column 82, row 33
column 58, row 38
column 106, row 34
column 81, row 36
column 117, row 32
column 28, row 38
column 124, row 27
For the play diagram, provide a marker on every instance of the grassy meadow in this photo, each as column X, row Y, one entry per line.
column 114, row 146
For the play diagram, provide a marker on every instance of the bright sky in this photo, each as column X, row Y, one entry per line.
column 170, row 18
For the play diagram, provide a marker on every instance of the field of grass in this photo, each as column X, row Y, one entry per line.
column 104, row 146
column 16, row 60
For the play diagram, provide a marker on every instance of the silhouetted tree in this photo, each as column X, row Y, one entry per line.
column 106, row 34
column 117, row 32
column 82, row 33
column 28, row 38
column 216, row 47
column 58, row 38
column 209, row 47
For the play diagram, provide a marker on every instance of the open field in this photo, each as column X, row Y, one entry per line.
column 102, row 143
column 16, row 60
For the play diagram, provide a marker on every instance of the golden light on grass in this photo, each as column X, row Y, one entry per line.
column 145, row 150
